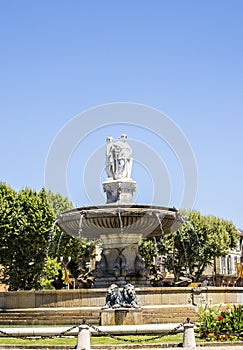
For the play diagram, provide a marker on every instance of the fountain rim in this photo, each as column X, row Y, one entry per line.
column 107, row 207
column 85, row 220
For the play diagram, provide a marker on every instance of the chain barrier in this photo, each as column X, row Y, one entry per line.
column 58, row 335
column 134, row 340
column 65, row 333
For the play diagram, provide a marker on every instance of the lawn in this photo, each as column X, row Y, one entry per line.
column 95, row 340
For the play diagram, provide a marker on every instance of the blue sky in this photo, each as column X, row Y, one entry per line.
column 180, row 57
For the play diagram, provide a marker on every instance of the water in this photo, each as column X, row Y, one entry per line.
column 49, row 243
column 80, row 226
column 50, row 238
column 185, row 252
column 120, row 219
column 156, row 244
column 58, row 243
column 194, row 231
column 160, row 224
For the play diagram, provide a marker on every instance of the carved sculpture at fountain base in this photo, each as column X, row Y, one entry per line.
column 121, row 266
column 104, row 282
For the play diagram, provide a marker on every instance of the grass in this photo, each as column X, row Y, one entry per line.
column 95, row 340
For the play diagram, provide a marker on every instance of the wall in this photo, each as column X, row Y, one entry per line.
column 96, row 297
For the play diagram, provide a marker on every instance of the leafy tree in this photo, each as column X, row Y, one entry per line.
column 50, row 272
column 64, row 245
column 191, row 249
column 25, row 223
column 148, row 249
column 201, row 239
column 58, row 203
column 7, row 200
column 29, row 245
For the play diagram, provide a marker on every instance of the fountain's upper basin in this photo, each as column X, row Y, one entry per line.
column 95, row 221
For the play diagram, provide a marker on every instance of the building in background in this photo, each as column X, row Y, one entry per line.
column 224, row 271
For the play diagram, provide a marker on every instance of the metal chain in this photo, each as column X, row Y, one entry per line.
column 172, row 331
column 58, row 335
column 134, row 340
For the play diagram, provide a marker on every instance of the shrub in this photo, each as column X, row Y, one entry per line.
column 221, row 322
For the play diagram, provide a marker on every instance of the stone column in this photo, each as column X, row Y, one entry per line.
column 83, row 338
column 189, row 341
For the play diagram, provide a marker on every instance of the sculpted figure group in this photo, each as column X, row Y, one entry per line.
column 118, row 158
column 116, row 299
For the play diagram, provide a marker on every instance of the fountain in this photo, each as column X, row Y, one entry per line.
column 120, row 223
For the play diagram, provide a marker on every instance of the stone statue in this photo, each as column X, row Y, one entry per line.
column 113, row 297
column 129, row 297
column 110, row 169
column 126, row 299
column 118, row 158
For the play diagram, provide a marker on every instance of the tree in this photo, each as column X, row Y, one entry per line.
column 201, row 239
column 148, row 248
column 193, row 247
column 29, row 244
column 57, row 203
column 64, row 245
column 50, row 272
column 25, row 223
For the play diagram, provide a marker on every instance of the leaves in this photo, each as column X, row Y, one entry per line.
column 25, row 220
column 221, row 322
column 191, row 249
column 27, row 238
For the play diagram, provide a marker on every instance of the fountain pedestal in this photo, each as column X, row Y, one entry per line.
column 119, row 191
column 121, row 316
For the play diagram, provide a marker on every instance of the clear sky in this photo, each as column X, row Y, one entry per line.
column 182, row 58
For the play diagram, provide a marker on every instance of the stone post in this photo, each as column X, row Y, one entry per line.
column 83, row 338
column 189, row 341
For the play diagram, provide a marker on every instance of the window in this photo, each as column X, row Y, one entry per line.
column 222, row 266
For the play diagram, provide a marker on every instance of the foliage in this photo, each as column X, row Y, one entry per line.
column 221, row 322
column 192, row 248
column 25, row 223
column 29, row 244
column 62, row 244
column 49, row 273
column 148, row 249
column 57, row 203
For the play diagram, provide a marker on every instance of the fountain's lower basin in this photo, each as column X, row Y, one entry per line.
column 124, row 220
column 120, row 227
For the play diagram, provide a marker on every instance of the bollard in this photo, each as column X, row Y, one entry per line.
column 189, row 336
column 83, row 338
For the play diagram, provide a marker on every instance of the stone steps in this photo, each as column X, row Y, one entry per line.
column 169, row 315
column 48, row 317
column 72, row 316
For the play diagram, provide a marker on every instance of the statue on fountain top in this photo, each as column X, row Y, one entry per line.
column 118, row 158
column 119, row 186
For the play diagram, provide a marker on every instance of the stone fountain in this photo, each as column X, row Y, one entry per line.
column 120, row 223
